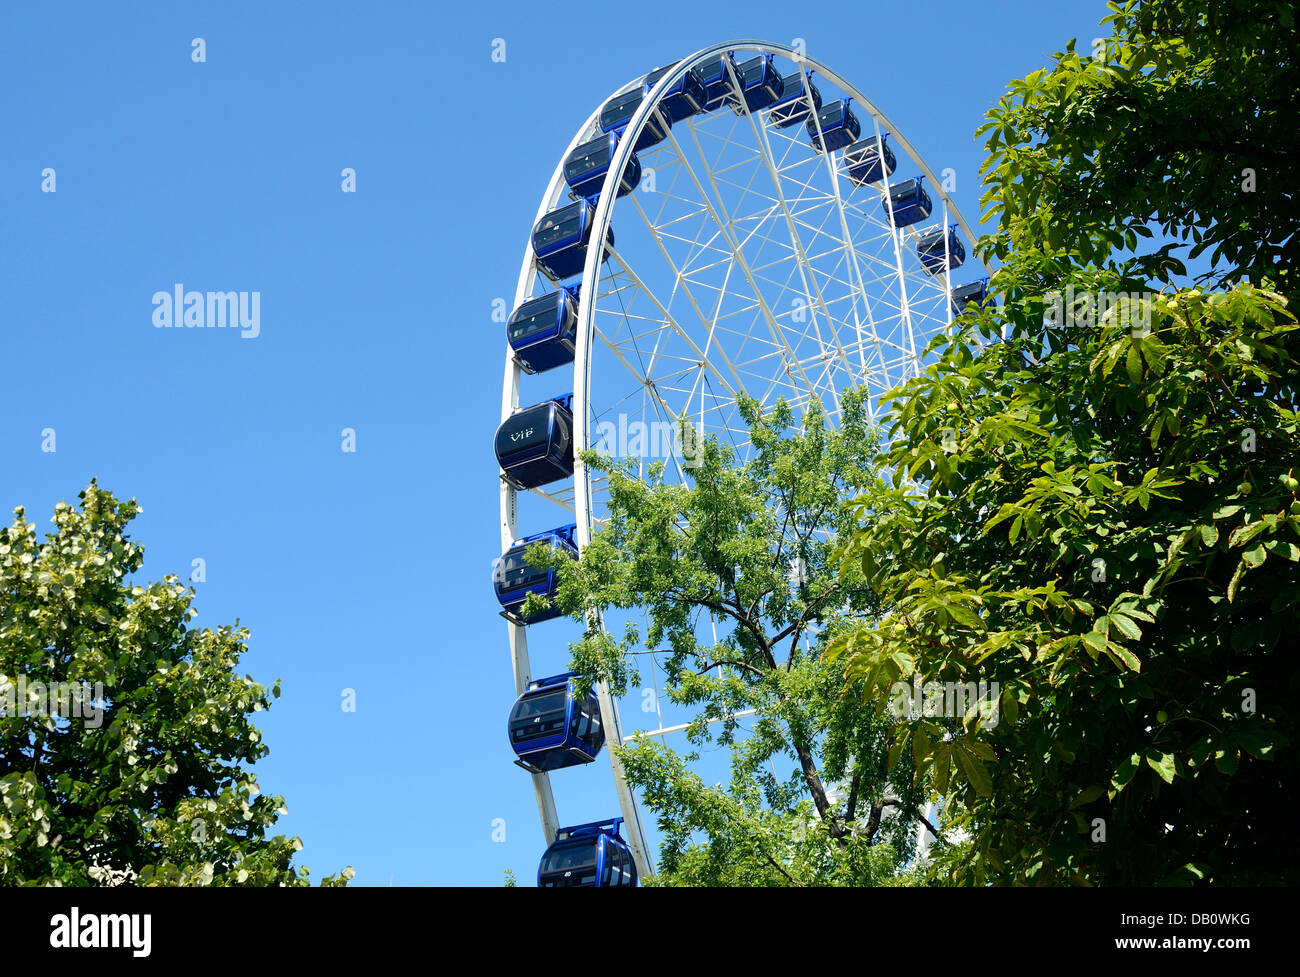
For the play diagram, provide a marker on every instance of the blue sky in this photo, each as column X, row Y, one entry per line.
column 365, row 570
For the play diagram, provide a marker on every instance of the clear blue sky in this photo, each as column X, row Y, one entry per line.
column 367, row 570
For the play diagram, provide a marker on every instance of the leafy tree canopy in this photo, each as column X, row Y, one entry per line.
column 145, row 780
column 748, row 546
column 1100, row 512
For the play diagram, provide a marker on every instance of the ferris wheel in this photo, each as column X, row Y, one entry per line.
column 777, row 236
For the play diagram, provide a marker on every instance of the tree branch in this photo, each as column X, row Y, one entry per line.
column 737, row 664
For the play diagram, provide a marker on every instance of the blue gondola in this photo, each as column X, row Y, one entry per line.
column 940, row 249
column 560, row 240
column 535, row 445
column 716, row 74
column 910, row 200
column 549, row 729
column 514, row 578
column 586, row 166
column 589, row 855
column 760, row 83
column 684, row 98
column 976, row 291
column 863, row 160
column 618, row 111
column 543, row 332
column 839, row 126
column 792, row 107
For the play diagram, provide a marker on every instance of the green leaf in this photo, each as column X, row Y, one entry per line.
column 905, row 662
column 1124, row 772
column 978, row 749
column 1163, row 764
column 896, row 749
column 1285, row 549
column 1255, row 743
column 1133, row 364
column 1126, row 626
column 1236, row 580
column 1088, row 795
column 920, row 746
column 977, row 774
column 1010, row 705
column 963, row 615
column 1127, row 657
column 942, row 767
column 1096, row 641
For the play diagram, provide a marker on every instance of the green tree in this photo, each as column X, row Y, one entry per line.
column 1099, row 512
column 749, row 546
column 148, row 785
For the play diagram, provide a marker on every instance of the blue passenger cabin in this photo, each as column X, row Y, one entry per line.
column 588, row 855
column 684, row 98
column 940, row 249
column 761, row 84
column 550, row 729
column 514, row 578
column 716, row 75
column 586, row 166
column 866, row 162
column 976, row 291
column 560, row 240
column 839, row 126
column 543, row 331
column 618, row 111
column 910, row 202
column 535, row 445
column 792, row 107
